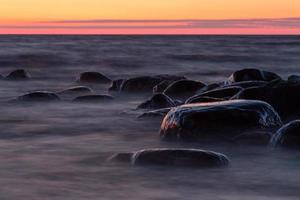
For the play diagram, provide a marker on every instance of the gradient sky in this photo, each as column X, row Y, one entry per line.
column 150, row 16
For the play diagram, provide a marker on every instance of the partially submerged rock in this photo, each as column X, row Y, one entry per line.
column 160, row 113
column 246, row 84
column 93, row 98
column 250, row 74
column 93, row 77
column 287, row 136
column 183, row 89
column 39, row 96
column 19, row 74
column 157, row 101
column 76, row 90
column 203, row 99
column 145, row 84
column 172, row 158
column 223, row 120
column 179, row 158
column 116, row 85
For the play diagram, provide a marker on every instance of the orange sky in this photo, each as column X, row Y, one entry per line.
column 33, row 16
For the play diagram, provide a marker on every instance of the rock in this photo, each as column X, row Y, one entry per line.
column 221, row 93
column 155, row 113
column 179, row 158
column 93, row 98
column 40, row 96
column 116, row 85
column 183, row 89
column 76, row 90
column 210, row 87
column 294, row 79
column 282, row 95
column 157, row 101
column 160, row 88
column 120, row 158
column 250, row 74
column 145, row 84
column 93, row 77
column 19, row 74
column 287, row 136
column 254, row 138
column 247, row 84
column 221, row 120
column 203, row 99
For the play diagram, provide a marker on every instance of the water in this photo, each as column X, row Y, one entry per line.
column 57, row 151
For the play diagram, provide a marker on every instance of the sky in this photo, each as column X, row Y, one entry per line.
column 149, row 16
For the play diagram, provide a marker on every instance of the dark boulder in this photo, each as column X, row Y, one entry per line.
column 116, row 85
column 19, row 74
column 179, row 158
column 124, row 158
column 203, row 99
column 145, row 84
column 93, row 77
column 250, row 74
column 223, row 120
column 160, row 113
column 160, row 88
column 76, row 90
column 221, row 93
column 246, row 84
column 157, row 101
column 288, row 135
column 183, row 89
column 282, row 95
column 39, row 96
column 93, row 98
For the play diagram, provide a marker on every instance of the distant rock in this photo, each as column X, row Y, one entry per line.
column 183, row 89
column 160, row 88
column 93, row 98
column 76, row 90
column 116, row 85
column 157, row 101
column 39, row 96
column 179, row 158
column 145, row 84
column 19, row 74
column 220, row 120
column 250, row 74
column 288, row 135
column 94, row 77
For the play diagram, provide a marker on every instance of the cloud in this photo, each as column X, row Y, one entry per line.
column 290, row 23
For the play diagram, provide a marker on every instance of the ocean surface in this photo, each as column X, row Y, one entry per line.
column 58, row 151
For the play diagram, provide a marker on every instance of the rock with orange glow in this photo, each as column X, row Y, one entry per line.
column 223, row 120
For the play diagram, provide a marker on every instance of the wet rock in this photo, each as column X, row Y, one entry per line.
column 40, row 96
column 282, row 95
column 221, row 93
column 221, row 120
column 288, row 135
column 93, row 77
column 157, row 101
column 93, row 98
column 155, row 113
column 247, row 84
column 203, row 99
column 116, row 85
column 210, row 87
column 179, row 158
column 76, row 90
column 19, row 74
column 145, row 84
column 183, row 89
column 160, row 88
column 294, row 79
column 250, row 74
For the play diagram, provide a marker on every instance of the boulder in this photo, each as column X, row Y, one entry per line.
column 145, row 84
column 183, row 89
column 282, row 95
column 221, row 120
column 179, row 158
column 19, row 74
column 250, row 74
column 221, row 93
column 160, row 113
column 157, row 101
column 39, row 96
column 287, row 136
column 294, row 79
column 93, row 77
column 246, row 84
column 76, row 90
column 160, row 88
column 93, row 98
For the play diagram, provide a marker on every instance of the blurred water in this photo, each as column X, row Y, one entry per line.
column 58, row 150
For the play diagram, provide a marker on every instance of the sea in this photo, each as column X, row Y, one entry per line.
column 59, row 150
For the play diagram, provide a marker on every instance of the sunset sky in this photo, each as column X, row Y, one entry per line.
column 150, row 16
